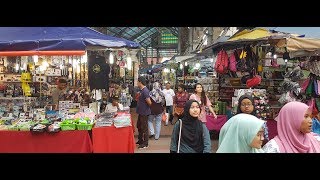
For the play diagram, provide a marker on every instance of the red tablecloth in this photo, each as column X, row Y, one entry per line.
column 113, row 140
column 61, row 142
column 216, row 124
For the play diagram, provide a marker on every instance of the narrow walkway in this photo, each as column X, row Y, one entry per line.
column 163, row 144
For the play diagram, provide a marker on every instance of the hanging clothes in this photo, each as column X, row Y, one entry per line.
column 98, row 72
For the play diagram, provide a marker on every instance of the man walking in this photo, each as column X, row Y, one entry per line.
column 169, row 94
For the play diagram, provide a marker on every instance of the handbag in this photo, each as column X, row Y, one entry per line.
column 255, row 81
column 178, row 111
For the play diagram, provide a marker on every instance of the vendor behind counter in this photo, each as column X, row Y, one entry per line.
column 114, row 106
column 60, row 93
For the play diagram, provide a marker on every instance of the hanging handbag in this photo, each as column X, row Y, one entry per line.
column 255, row 81
column 315, row 85
column 310, row 87
column 260, row 67
column 304, row 85
column 318, row 85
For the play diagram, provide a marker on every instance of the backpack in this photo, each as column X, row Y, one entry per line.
column 221, row 65
column 233, row 63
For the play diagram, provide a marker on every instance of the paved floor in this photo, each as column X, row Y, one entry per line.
column 163, row 144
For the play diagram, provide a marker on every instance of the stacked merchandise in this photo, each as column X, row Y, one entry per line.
column 105, row 119
column 67, row 109
column 290, row 88
column 122, row 120
column 220, row 108
column 210, row 86
column 311, row 86
column 17, row 107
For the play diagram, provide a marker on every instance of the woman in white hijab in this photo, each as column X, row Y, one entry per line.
column 243, row 133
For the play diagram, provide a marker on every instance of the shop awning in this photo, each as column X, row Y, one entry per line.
column 57, row 39
column 300, row 44
column 251, row 34
column 39, row 53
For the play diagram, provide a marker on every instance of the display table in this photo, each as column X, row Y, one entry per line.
column 216, row 124
column 113, row 140
column 30, row 142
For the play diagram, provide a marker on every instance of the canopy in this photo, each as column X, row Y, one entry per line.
column 254, row 36
column 56, row 39
column 251, row 34
column 297, row 46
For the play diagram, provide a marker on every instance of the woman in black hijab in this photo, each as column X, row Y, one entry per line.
column 246, row 105
column 195, row 136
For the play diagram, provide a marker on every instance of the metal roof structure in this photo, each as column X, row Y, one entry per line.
column 147, row 37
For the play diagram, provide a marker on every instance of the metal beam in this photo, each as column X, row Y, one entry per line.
column 122, row 31
column 169, row 46
column 152, row 36
column 140, row 33
column 159, row 29
column 173, row 31
column 112, row 31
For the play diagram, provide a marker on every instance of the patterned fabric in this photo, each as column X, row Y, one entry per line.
column 156, row 94
column 266, row 133
column 271, row 147
column 181, row 99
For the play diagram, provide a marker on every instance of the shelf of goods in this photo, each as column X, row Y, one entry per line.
column 211, row 87
column 228, row 86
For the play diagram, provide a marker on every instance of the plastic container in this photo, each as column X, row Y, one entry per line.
column 67, row 127
column 84, row 126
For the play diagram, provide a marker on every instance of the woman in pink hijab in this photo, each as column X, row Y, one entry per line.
column 294, row 131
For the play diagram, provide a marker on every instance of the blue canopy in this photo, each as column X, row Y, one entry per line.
column 57, row 39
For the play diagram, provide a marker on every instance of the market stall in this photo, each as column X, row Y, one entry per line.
column 32, row 59
column 113, row 133
column 252, row 59
column 113, row 140
column 30, row 142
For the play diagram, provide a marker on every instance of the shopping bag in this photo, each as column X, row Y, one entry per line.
column 165, row 117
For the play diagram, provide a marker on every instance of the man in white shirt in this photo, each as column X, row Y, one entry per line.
column 169, row 94
column 114, row 106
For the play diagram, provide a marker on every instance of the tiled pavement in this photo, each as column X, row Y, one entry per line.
column 163, row 144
